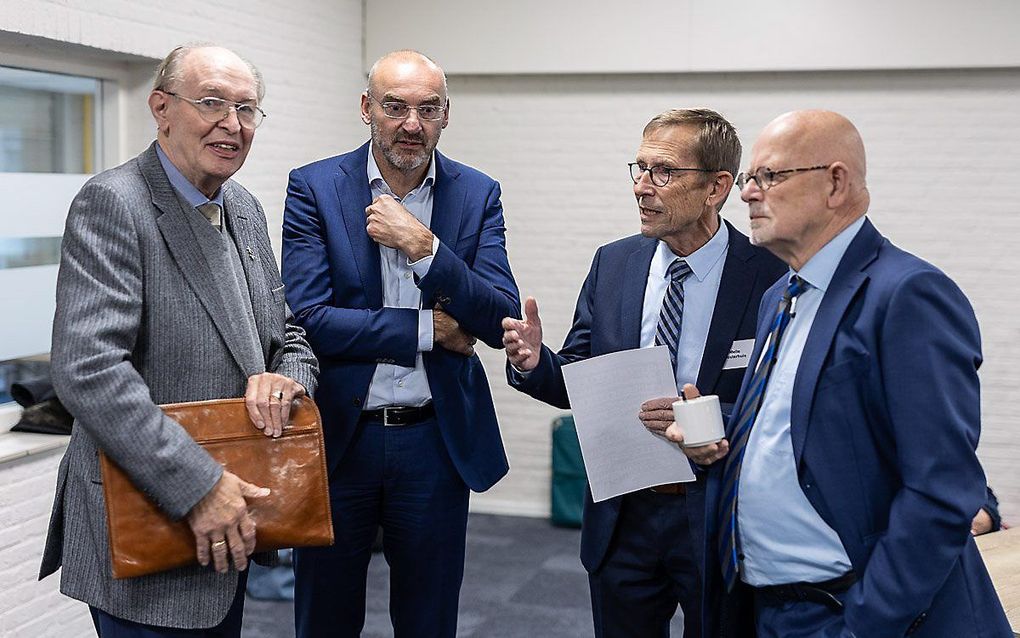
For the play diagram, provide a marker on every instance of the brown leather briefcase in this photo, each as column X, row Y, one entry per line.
column 143, row 540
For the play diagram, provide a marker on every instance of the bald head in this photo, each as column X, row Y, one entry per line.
column 809, row 184
column 404, row 63
column 818, row 137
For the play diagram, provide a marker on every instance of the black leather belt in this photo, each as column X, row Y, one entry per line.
column 823, row 593
column 399, row 415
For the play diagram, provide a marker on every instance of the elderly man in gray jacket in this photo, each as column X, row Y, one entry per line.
column 169, row 291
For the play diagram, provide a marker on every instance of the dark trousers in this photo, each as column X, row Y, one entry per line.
column 798, row 619
column 649, row 569
column 108, row 626
column 399, row 478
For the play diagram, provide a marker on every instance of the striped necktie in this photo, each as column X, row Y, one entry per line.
column 667, row 333
column 739, row 431
column 211, row 211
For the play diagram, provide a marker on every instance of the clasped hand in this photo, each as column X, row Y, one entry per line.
column 447, row 332
column 391, row 225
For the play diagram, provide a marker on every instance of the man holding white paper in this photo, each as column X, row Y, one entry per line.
column 691, row 283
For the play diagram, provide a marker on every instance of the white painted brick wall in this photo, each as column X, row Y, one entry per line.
column 310, row 54
column 943, row 149
column 30, row 607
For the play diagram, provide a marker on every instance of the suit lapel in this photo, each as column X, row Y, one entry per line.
column 738, row 279
column 183, row 246
column 632, row 293
column 767, row 309
column 354, row 194
column 240, row 218
column 447, row 202
column 847, row 280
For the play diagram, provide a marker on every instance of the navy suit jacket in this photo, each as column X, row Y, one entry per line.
column 884, row 423
column 334, row 286
column 608, row 319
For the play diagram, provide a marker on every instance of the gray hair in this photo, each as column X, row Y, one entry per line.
column 168, row 74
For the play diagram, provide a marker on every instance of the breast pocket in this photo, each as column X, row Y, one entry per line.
column 842, row 371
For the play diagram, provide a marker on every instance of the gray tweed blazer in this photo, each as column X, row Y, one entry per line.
column 140, row 321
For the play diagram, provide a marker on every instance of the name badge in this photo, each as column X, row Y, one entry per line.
column 739, row 354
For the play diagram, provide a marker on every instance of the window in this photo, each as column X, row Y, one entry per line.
column 50, row 142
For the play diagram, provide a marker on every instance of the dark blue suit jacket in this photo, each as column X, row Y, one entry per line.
column 885, row 423
column 332, row 272
column 608, row 319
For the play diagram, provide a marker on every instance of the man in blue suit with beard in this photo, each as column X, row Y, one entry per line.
column 689, row 281
column 395, row 262
column 840, row 504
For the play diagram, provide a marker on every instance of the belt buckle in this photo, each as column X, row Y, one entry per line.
column 386, row 416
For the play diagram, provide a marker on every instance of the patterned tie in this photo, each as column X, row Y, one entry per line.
column 740, row 430
column 211, row 211
column 667, row 333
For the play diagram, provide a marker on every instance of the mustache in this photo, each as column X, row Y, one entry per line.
column 641, row 204
column 410, row 138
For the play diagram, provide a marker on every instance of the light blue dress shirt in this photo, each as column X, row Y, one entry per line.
column 188, row 191
column 782, row 537
column 393, row 384
column 701, row 288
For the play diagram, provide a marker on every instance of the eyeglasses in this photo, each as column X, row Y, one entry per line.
column 400, row 110
column 214, row 109
column 660, row 174
column 766, row 177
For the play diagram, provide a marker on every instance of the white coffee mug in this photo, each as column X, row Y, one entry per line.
column 700, row 419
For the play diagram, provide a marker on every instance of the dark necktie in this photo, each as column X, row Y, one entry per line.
column 667, row 333
column 740, row 430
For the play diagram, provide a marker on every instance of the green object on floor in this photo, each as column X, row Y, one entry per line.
column 569, row 481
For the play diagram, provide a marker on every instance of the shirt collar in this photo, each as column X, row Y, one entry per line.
column 701, row 261
column 181, row 184
column 376, row 180
column 818, row 270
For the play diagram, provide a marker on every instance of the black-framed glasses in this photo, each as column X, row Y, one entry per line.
column 659, row 174
column 400, row 110
column 214, row 109
column 766, row 178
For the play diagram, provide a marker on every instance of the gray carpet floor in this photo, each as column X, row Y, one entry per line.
column 523, row 579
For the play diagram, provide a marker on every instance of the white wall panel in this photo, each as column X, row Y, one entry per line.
column 580, row 36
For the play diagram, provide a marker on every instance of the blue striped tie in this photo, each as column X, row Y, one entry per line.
column 667, row 333
column 740, row 430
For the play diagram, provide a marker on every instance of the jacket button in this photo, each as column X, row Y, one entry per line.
column 357, row 402
column 917, row 623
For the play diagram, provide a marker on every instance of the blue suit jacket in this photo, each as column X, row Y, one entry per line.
column 885, row 423
column 332, row 272
column 608, row 319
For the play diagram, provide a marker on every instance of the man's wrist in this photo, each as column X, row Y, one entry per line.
column 421, row 246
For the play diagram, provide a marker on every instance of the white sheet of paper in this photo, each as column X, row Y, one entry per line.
column 606, row 393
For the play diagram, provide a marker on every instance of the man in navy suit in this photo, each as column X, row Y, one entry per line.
column 395, row 262
column 642, row 550
column 844, row 504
